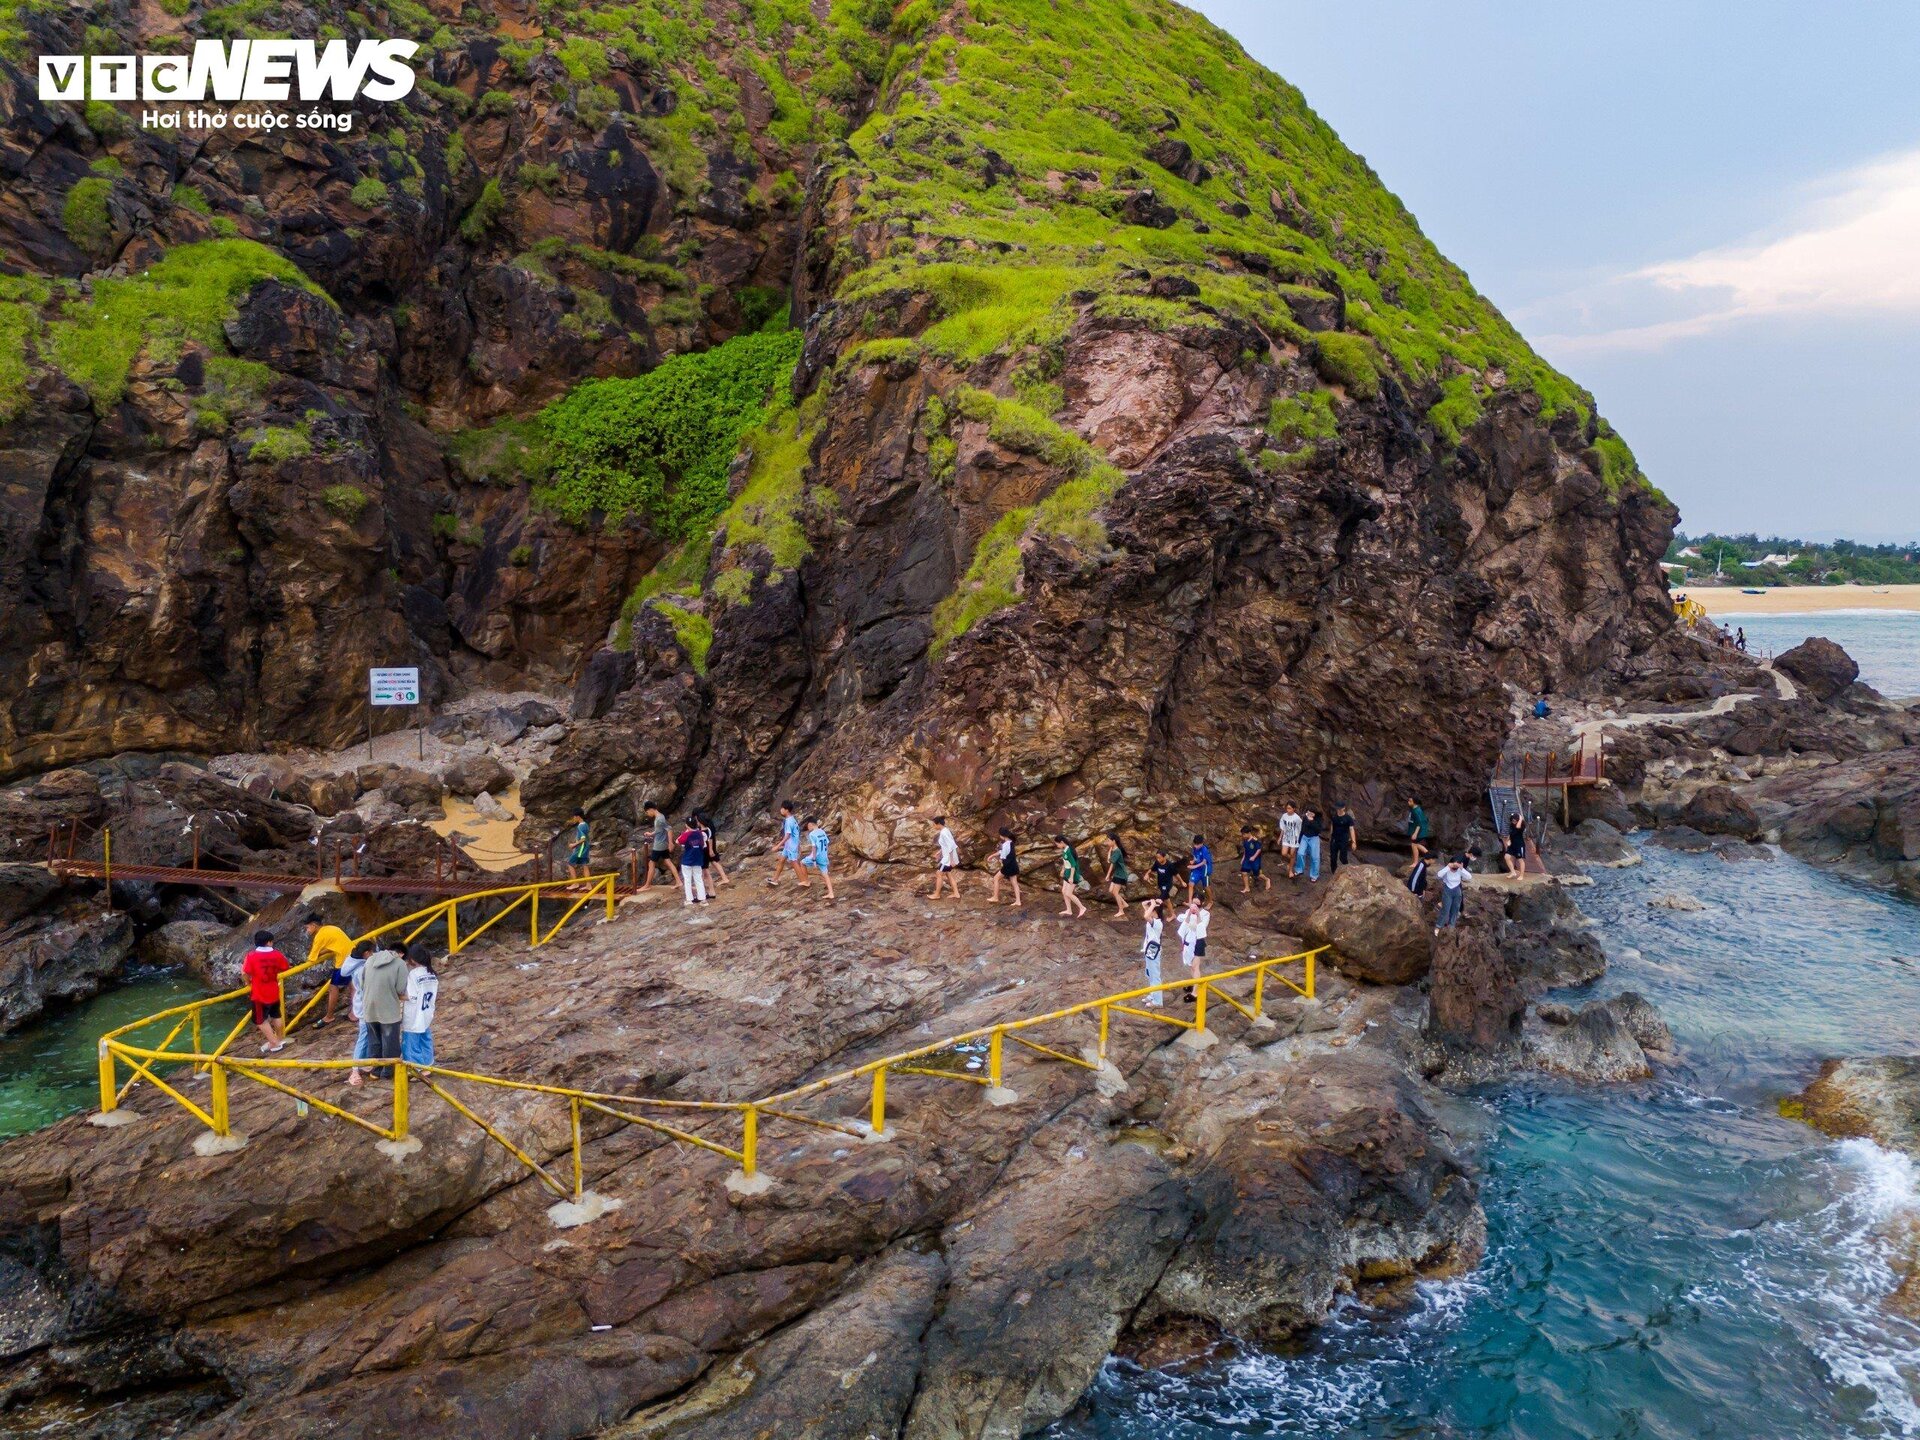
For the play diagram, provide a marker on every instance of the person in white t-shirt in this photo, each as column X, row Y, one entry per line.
column 1193, row 937
column 949, row 870
column 1453, row 892
column 1289, row 829
column 416, row 1023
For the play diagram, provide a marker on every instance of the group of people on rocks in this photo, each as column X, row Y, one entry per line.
column 391, row 986
column 684, row 859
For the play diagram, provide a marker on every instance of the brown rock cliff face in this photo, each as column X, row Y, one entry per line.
column 1343, row 625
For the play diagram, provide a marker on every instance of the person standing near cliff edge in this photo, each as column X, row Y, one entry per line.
column 263, row 967
column 949, row 859
column 1341, row 828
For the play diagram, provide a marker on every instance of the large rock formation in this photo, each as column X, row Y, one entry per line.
column 1377, row 927
column 1160, row 470
column 965, row 1277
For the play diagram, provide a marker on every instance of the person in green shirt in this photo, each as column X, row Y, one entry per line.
column 1069, row 878
column 1117, row 876
column 1419, row 832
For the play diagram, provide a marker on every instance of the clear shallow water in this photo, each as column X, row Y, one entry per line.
column 52, row 1070
column 1665, row 1260
column 1884, row 643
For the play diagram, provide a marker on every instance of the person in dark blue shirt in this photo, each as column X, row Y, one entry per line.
column 1252, row 857
column 1200, row 869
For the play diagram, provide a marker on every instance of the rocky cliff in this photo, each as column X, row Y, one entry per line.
column 1023, row 409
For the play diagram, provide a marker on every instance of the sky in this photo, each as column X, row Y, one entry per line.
column 1706, row 213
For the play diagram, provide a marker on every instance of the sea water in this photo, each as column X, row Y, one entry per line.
column 1666, row 1260
column 1885, row 644
column 52, row 1068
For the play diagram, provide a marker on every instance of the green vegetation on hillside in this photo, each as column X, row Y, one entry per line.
column 187, row 295
column 1831, row 562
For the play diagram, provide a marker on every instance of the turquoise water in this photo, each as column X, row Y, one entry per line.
column 1665, row 1260
column 1884, row 643
column 51, row 1070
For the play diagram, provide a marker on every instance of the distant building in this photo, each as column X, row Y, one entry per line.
column 1692, row 552
column 1778, row 561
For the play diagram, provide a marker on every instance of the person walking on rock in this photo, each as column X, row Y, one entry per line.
column 263, row 967
column 1453, row 892
column 1513, row 852
column 1308, row 860
column 383, row 999
column 789, row 847
column 1150, row 947
column 1200, row 869
column 693, row 862
column 817, row 853
column 327, row 945
column 1069, row 878
column 1252, row 860
column 713, row 850
column 580, row 847
column 1289, row 840
column 1193, row 938
column 1342, row 828
column 1165, row 872
column 949, row 849
column 1118, row 876
column 1006, row 866
column 1419, row 832
column 659, row 848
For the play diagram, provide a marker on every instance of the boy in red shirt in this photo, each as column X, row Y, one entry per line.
column 263, row 968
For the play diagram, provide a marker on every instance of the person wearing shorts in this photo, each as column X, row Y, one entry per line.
column 327, row 945
column 659, row 848
column 949, row 872
column 263, row 967
column 1193, row 938
column 1289, row 837
column 1164, row 872
column 1069, row 877
column 789, row 846
column 1252, row 859
column 1118, row 876
column 1200, row 869
column 817, row 853
column 1006, row 866
column 581, row 847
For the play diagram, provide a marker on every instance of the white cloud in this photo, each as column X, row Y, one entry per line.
column 1853, row 251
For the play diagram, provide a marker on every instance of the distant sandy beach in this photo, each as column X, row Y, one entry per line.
column 1804, row 599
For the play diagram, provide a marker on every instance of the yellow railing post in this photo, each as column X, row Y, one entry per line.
column 533, row 912
column 109, row 1087
column 1106, row 1021
column 1200, row 1006
column 196, row 1032
column 453, row 927
column 573, row 1117
column 1259, row 990
column 749, row 1141
column 219, row 1099
column 993, row 1059
column 879, row 1110
column 399, row 1102
column 1310, row 974
column 609, row 897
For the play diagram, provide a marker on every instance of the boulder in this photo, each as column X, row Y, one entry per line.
column 330, row 794
column 1596, row 842
column 509, row 722
column 1376, row 926
column 607, row 673
column 24, row 889
column 1605, row 1042
column 185, row 945
column 488, row 808
column 1475, row 1003
column 58, row 956
column 1683, row 838
column 1675, row 900
column 1717, row 810
column 399, row 784
column 1819, row 667
column 474, row 774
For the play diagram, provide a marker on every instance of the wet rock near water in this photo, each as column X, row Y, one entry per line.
column 1602, row 1042
column 1821, row 668
column 65, row 952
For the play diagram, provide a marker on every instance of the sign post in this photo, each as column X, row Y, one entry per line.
column 392, row 685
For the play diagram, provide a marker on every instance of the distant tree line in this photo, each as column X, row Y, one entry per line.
column 1751, row 560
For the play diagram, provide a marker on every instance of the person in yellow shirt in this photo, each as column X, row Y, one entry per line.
column 327, row 945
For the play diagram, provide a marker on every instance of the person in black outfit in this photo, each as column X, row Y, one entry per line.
column 1342, row 826
column 1165, row 871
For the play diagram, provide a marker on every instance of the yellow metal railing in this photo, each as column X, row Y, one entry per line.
column 1689, row 611
column 116, row 1050
column 1207, row 989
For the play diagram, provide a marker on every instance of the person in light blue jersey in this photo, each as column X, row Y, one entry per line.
column 817, row 853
